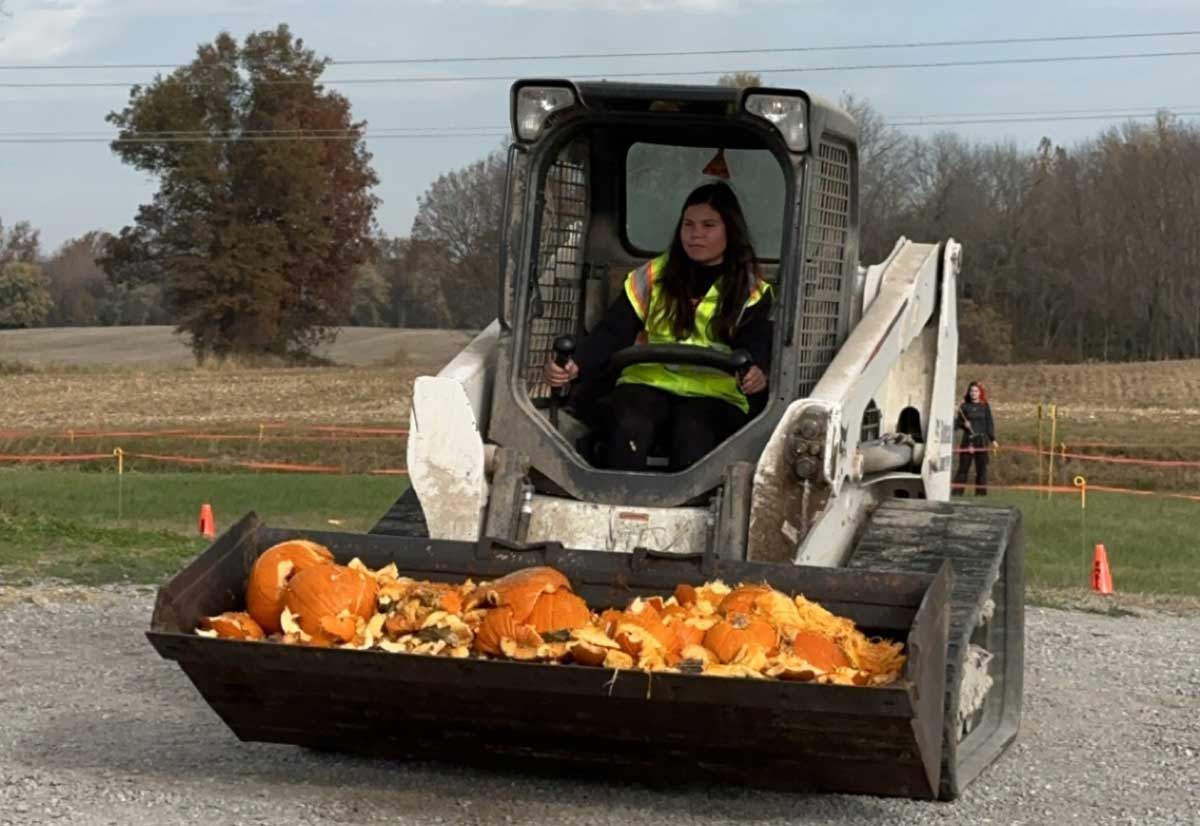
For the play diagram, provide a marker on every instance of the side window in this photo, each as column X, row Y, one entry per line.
column 658, row 177
column 557, row 298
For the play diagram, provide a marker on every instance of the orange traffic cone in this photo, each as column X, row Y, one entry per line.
column 207, row 528
column 1101, row 575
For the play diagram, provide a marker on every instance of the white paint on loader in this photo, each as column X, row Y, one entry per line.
column 618, row 527
column 445, row 459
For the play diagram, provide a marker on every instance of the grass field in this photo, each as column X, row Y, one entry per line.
column 65, row 524
column 62, row 522
column 159, row 348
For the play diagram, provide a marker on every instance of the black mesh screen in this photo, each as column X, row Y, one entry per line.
column 557, row 292
column 828, row 235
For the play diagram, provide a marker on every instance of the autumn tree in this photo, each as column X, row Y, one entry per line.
column 263, row 212
column 21, row 243
column 78, row 285
column 740, row 80
column 24, row 295
column 24, row 291
column 456, row 231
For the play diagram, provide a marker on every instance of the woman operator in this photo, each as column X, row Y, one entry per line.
column 704, row 291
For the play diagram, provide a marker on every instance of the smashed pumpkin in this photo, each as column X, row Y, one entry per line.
column 736, row 632
column 519, row 590
column 298, row 595
column 232, row 625
column 270, row 574
column 327, row 600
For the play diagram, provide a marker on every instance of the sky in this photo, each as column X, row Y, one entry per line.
column 68, row 188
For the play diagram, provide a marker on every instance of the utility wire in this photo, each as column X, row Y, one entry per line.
column 945, row 119
column 300, row 131
column 996, row 41
column 1050, row 112
column 985, row 120
column 482, row 132
column 257, row 138
column 942, row 64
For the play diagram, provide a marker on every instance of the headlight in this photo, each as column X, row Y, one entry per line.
column 788, row 114
column 533, row 104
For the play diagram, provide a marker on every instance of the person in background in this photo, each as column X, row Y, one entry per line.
column 704, row 291
column 974, row 417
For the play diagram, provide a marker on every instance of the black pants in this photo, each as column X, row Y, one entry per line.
column 633, row 418
column 980, row 457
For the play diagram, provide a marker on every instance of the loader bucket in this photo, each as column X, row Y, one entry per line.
column 884, row 740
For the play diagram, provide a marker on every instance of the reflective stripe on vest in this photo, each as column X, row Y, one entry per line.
column 643, row 288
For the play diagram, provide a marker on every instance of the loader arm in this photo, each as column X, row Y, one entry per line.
column 817, row 479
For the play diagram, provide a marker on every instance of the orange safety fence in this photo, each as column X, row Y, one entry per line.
column 287, row 467
column 1194, row 497
column 326, row 432
column 1084, row 457
column 52, row 457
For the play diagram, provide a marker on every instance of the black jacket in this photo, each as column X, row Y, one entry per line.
column 976, row 420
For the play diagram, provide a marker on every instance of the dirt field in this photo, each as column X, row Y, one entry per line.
column 142, row 377
column 1123, row 392
column 152, row 348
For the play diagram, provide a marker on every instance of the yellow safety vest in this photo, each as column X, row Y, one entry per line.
column 643, row 288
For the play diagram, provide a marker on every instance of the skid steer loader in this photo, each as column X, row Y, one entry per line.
column 847, row 466
column 837, row 489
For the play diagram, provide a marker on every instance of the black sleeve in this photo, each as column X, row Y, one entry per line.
column 756, row 333
column 991, row 425
column 615, row 331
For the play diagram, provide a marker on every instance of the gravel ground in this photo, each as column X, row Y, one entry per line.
column 95, row 728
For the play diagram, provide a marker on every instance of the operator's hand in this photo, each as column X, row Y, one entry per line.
column 556, row 376
column 752, row 381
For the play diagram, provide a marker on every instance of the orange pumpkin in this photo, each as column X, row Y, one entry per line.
column 341, row 628
column 685, row 595
column 728, row 637
column 325, row 591
column 559, row 610
column 233, row 625
column 520, row 590
column 269, row 577
column 686, row 634
column 438, row 595
column 609, row 619
column 820, row 651
column 500, row 625
column 644, row 617
column 591, row 646
column 741, row 599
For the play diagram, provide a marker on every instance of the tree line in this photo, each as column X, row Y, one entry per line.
column 254, row 244
column 1090, row 252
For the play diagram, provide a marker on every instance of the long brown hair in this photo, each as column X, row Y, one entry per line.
column 738, row 270
column 982, row 393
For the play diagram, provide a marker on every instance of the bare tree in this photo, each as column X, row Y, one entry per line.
column 740, row 80
column 458, row 223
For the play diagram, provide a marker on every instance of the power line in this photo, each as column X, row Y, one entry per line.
column 986, row 120
column 498, row 132
column 300, row 131
column 1052, row 112
column 256, row 138
column 996, row 41
column 943, row 64
column 204, row 136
